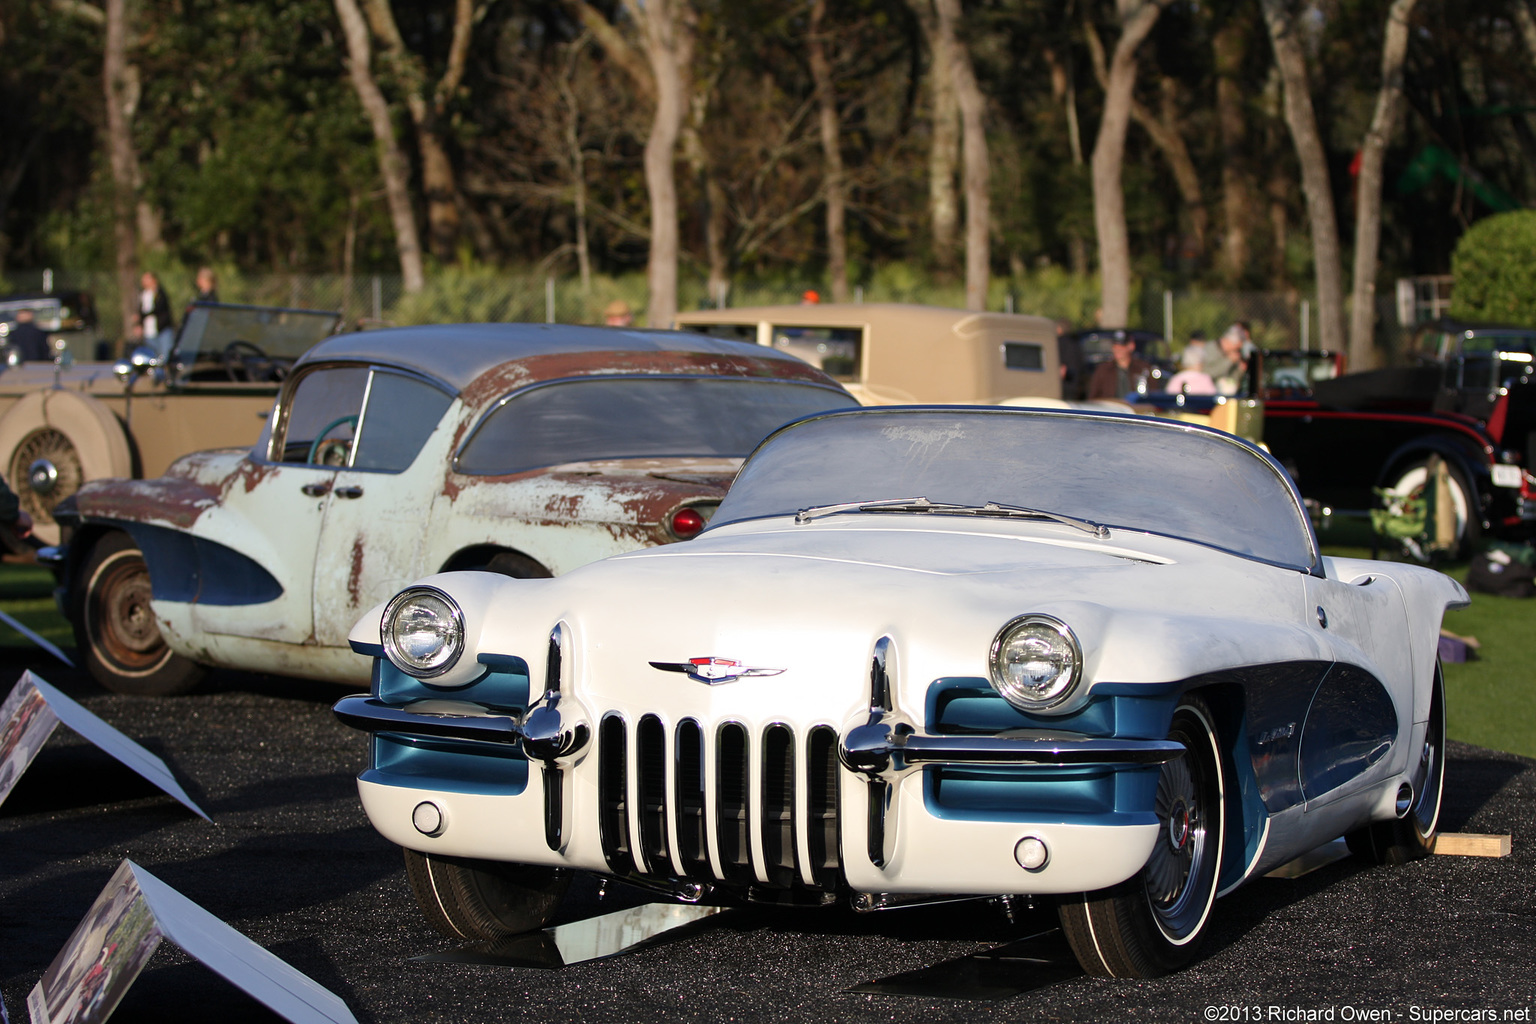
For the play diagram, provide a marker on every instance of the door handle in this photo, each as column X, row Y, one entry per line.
column 317, row 490
column 349, row 492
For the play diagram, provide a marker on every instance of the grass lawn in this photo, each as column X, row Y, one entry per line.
column 1490, row 702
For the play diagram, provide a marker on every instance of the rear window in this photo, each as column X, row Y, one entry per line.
column 836, row 351
column 1022, row 355
column 630, row 417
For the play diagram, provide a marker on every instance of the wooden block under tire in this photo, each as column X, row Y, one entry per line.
column 1471, row 844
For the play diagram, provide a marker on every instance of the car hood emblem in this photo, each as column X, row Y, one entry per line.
column 713, row 671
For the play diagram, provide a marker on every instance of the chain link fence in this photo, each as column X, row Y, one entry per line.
column 1276, row 319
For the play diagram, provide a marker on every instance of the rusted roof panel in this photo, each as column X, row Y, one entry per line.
column 456, row 354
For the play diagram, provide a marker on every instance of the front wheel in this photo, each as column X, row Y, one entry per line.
column 115, row 628
column 1153, row 923
column 1413, row 487
column 1413, row 835
column 484, row 900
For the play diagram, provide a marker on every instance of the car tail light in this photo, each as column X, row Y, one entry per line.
column 687, row 523
column 1499, row 417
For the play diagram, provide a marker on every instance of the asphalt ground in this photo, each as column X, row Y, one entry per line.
column 291, row 862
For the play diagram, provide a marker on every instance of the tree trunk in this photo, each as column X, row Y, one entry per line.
column 1136, row 20
column 1373, row 153
column 1526, row 22
column 392, row 163
column 668, row 31
column 978, row 171
column 120, row 153
column 1163, row 129
column 437, row 176
column 1302, row 121
column 578, row 163
column 1239, row 198
column 944, row 147
column 831, row 151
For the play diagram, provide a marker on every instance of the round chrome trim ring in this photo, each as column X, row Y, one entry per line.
column 386, row 634
column 1062, row 630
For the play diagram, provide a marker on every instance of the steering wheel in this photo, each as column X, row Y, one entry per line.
column 332, row 447
column 245, row 361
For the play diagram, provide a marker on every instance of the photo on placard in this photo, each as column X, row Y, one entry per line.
column 103, row 956
column 26, row 722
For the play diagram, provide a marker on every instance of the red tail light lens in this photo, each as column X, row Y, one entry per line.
column 686, row 523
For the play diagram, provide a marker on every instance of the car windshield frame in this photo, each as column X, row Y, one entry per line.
column 1131, row 473
column 837, row 397
column 210, row 327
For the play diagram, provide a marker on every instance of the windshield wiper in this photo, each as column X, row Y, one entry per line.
column 921, row 504
column 993, row 508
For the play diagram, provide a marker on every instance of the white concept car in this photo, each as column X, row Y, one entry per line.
column 922, row 653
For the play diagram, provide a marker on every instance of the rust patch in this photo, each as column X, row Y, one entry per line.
column 511, row 375
column 251, row 474
column 179, row 503
column 355, row 576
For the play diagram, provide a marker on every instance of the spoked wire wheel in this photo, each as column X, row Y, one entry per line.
column 45, row 469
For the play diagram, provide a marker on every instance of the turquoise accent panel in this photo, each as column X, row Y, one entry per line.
column 1080, row 795
column 1250, row 806
column 503, row 687
column 453, row 766
column 961, row 705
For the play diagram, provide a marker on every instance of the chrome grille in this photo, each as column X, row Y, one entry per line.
column 786, row 836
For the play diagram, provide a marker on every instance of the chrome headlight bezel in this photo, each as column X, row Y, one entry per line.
column 1060, row 635
column 439, row 666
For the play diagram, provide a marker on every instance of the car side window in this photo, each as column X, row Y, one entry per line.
column 322, row 416
column 402, row 412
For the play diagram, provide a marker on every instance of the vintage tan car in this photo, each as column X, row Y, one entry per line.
column 64, row 423
column 893, row 353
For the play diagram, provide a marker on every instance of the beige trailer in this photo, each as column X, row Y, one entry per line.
column 889, row 353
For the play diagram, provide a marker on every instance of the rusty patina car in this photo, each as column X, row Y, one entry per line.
column 67, row 422
column 889, row 353
column 527, row 449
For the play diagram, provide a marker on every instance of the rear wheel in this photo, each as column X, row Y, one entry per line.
column 1413, row 835
column 484, row 900
column 115, row 628
column 1153, row 923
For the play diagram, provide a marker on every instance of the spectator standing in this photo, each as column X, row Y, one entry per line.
column 1229, row 363
column 207, row 286
column 1123, row 373
column 618, row 314
column 30, row 339
column 156, row 326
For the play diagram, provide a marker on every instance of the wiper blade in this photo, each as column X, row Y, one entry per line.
column 918, row 504
column 921, row 504
column 993, row 508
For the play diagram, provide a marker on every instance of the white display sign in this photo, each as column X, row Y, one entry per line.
column 28, row 718
column 109, row 948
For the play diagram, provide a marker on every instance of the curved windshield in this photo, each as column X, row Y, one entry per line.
column 1131, row 473
column 636, row 418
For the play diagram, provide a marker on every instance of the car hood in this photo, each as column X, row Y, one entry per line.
column 806, row 605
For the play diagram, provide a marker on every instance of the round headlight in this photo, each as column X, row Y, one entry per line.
column 1036, row 662
column 423, row 632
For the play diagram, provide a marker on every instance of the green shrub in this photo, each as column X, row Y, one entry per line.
column 1495, row 269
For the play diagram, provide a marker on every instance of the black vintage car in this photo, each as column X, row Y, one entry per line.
column 1469, row 405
